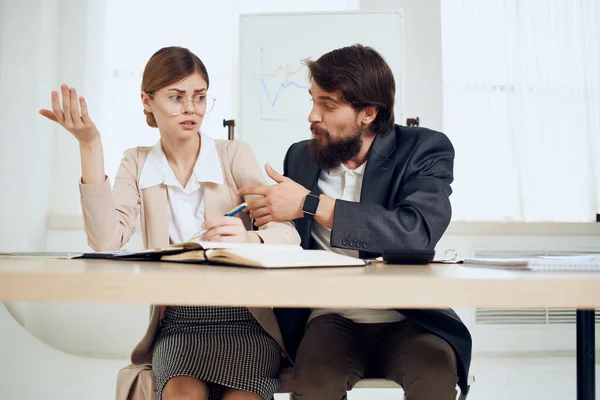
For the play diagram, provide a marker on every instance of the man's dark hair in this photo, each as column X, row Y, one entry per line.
column 364, row 78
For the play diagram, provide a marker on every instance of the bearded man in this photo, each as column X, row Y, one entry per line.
column 360, row 186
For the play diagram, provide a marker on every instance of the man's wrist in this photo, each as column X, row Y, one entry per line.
column 310, row 205
column 325, row 212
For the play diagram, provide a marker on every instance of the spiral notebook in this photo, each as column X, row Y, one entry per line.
column 588, row 262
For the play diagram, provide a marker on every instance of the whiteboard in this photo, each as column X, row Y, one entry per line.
column 273, row 100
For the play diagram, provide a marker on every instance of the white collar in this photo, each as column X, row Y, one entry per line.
column 340, row 169
column 157, row 171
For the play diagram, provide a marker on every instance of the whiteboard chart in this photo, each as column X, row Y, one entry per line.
column 283, row 85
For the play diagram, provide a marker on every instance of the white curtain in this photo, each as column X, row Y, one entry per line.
column 522, row 108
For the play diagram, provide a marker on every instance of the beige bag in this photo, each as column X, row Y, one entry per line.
column 136, row 382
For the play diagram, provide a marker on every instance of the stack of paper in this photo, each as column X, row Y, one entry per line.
column 587, row 262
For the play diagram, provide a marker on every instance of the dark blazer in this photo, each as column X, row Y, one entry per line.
column 404, row 203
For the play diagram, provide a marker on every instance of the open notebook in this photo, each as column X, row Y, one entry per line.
column 588, row 262
column 258, row 256
column 239, row 254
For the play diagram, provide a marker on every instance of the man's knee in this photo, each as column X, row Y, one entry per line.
column 428, row 356
column 330, row 359
column 323, row 380
column 427, row 370
column 434, row 355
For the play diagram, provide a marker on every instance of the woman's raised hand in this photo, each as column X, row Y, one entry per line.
column 73, row 115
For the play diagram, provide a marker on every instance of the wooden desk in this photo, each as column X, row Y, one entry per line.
column 375, row 286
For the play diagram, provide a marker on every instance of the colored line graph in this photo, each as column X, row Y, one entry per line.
column 269, row 96
column 285, row 68
column 281, row 86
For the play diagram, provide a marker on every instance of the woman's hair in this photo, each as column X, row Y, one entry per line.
column 167, row 66
column 364, row 78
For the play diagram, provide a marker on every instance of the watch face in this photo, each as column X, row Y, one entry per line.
column 311, row 202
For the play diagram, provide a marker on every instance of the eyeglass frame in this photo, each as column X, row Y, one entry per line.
column 185, row 104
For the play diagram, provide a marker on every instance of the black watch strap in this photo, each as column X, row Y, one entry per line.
column 310, row 204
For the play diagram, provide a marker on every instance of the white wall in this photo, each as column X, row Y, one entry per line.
column 422, row 76
column 43, row 44
column 28, row 43
column 80, row 65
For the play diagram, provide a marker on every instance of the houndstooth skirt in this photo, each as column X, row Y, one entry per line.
column 225, row 347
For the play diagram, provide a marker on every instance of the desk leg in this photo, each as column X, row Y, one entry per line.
column 586, row 349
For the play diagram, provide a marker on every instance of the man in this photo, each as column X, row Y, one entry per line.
column 360, row 186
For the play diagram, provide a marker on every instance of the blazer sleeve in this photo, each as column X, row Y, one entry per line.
column 247, row 172
column 421, row 208
column 109, row 217
column 286, row 160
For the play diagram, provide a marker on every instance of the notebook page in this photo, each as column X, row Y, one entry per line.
column 283, row 258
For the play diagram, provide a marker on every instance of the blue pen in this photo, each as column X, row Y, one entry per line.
column 229, row 213
column 235, row 210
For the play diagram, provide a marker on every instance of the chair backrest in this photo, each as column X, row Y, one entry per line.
column 412, row 121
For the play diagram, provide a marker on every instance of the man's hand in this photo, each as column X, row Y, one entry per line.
column 281, row 202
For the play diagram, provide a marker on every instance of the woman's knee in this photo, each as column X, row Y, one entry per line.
column 185, row 388
column 233, row 394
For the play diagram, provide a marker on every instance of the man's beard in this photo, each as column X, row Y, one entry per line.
column 336, row 151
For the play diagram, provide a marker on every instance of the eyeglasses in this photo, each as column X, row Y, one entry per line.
column 176, row 104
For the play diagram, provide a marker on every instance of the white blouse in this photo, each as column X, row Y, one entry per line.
column 186, row 204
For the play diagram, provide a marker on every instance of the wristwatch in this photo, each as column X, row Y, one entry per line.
column 310, row 205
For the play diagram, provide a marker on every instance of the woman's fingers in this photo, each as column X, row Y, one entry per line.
column 66, row 100
column 222, row 221
column 49, row 114
column 73, row 116
column 74, row 104
column 84, row 111
column 58, row 112
column 224, row 230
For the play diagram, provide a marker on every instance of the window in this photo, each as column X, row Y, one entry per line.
column 522, row 108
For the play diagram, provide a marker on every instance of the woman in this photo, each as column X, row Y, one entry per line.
column 181, row 186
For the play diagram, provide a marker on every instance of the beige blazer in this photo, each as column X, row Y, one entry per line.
column 109, row 220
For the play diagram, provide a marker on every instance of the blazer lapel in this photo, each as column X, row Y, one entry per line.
column 309, row 175
column 214, row 201
column 378, row 173
column 156, row 214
